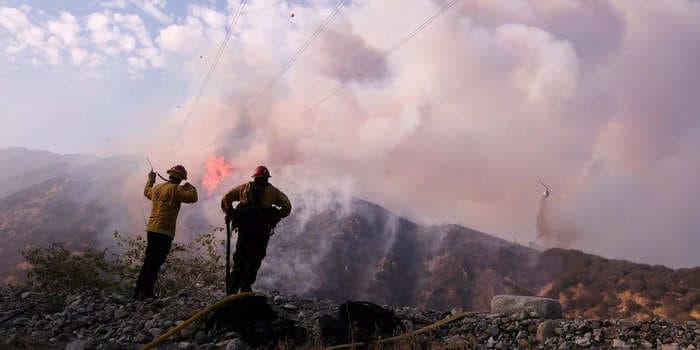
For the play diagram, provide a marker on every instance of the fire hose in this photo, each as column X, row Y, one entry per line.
column 196, row 317
column 232, row 297
column 425, row 329
column 12, row 316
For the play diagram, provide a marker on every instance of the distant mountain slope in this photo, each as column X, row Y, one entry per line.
column 592, row 286
column 46, row 212
column 45, row 197
column 346, row 249
column 23, row 167
column 365, row 252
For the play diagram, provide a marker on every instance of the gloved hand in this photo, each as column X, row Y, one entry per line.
column 151, row 176
column 272, row 215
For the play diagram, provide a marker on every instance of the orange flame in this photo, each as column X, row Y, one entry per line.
column 216, row 171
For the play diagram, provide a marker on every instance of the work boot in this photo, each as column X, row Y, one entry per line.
column 141, row 296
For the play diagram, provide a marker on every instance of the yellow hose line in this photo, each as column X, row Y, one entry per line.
column 197, row 316
column 407, row 335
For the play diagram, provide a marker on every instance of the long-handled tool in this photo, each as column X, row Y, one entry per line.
column 157, row 173
column 228, row 254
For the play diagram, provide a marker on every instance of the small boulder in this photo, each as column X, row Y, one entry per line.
column 185, row 345
column 619, row 344
column 513, row 304
column 77, row 345
column 672, row 346
column 546, row 330
column 121, row 313
column 584, row 341
column 493, row 331
column 155, row 332
column 235, row 344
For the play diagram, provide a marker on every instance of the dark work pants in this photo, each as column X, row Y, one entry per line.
column 251, row 247
column 157, row 250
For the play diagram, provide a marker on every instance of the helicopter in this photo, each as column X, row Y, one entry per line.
column 547, row 190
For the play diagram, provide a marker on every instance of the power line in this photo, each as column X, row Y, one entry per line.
column 298, row 53
column 388, row 52
column 215, row 62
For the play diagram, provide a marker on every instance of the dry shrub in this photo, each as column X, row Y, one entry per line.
column 192, row 265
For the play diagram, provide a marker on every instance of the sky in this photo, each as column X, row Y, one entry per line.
column 598, row 98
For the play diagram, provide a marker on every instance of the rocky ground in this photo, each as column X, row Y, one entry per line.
column 95, row 319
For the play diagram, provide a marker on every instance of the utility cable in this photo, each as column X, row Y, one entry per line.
column 388, row 52
column 298, row 53
column 215, row 62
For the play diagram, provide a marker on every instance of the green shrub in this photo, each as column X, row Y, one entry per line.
column 58, row 269
column 192, row 265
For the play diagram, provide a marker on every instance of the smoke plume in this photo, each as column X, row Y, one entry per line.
column 599, row 97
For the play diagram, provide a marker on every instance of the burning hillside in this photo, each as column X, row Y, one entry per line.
column 357, row 250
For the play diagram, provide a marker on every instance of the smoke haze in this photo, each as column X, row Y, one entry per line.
column 598, row 98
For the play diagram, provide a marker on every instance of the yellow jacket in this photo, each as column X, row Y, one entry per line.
column 166, row 199
column 271, row 196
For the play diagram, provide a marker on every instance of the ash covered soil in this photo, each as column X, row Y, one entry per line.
column 94, row 319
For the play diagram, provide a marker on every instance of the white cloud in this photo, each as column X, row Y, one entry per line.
column 127, row 43
column 78, row 55
column 211, row 17
column 101, row 29
column 53, row 55
column 13, row 19
column 113, row 4
column 155, row 8
column 137, row 63
column 154, row 57
column 135, row 25
column 13, row 49
column 180, row 38
column 66, row 28
column 95, row 60
column 32, row 36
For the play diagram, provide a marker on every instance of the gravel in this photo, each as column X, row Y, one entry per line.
column 94, row 319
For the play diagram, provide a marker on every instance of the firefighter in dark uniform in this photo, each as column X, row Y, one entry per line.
column 260, row 207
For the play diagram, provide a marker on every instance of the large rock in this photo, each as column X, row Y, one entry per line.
column 513, row 304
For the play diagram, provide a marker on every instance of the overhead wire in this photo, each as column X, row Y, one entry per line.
column 217, row 58
column 297, row 54
column 300, row 51
column 405, row 39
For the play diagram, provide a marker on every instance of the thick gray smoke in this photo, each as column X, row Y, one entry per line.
column 599, row 97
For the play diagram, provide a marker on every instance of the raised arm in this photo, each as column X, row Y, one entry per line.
column 148, row 190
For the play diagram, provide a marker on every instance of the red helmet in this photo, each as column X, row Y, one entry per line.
column 261, row 171
column 178, row 171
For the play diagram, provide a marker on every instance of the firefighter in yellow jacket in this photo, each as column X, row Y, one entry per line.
column 261, row 206
column 166, row 199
